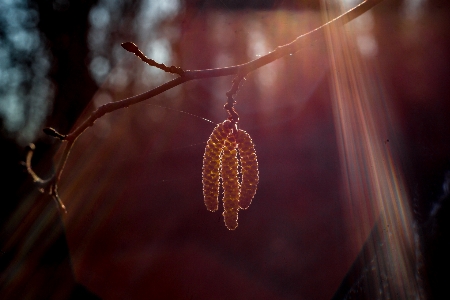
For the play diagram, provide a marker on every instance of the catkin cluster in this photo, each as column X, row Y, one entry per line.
column 221, row 163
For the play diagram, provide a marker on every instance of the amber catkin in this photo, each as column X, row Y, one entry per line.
column 230, row 182
column 221, row 164
column 212, row 163
column 249, row 168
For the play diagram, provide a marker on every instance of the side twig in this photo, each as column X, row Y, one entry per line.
column 131, row 47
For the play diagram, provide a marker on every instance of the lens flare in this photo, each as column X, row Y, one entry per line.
column 373, row 184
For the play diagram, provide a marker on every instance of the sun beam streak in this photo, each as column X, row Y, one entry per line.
column 373, row 185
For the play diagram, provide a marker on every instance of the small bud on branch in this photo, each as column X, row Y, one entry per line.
column 130, row 47
column 52, row 132
column 133, row 48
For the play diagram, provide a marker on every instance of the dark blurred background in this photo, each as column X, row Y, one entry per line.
column 136, row 226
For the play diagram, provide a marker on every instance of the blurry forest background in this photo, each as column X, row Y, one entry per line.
column 136, row 226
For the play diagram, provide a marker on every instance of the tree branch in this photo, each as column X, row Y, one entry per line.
column 240, row 70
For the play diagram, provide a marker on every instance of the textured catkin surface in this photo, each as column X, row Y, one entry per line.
column 230, row 182
column 249, row 164
column 211, row 165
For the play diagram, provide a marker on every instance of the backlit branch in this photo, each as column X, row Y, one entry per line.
column 239, row 70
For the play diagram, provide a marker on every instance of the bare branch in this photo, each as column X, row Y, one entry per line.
column 239, row 70
column 243, row 69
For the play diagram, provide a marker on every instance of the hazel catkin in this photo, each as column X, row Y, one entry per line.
column 249, row 168
column 230, row 182
column 227, row 152
column 212, row 163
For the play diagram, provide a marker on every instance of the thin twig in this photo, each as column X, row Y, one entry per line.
column 229, row 106
column 131, row 47
column 239, row 70
column 31, row 147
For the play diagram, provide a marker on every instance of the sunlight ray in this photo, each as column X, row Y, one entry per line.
column 374, row 190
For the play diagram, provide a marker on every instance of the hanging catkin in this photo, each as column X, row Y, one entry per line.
column 230, row 182
column 211, row 165
column 229, row 150
column 249, row 168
